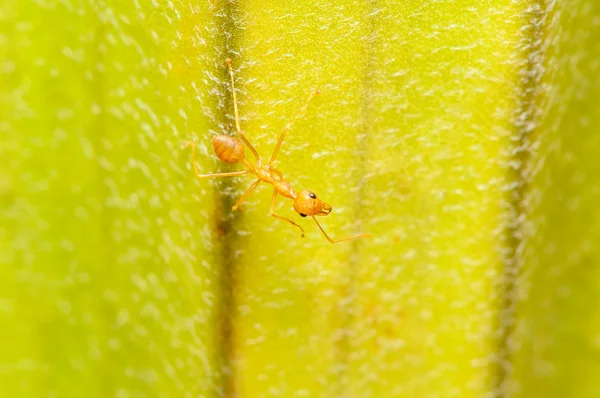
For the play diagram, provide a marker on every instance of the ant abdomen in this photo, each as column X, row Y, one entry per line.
column 229, row 149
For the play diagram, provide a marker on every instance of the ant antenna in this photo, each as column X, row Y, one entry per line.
column 340, row 240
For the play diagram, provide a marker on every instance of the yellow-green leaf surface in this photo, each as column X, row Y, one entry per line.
column 557, row 336
column 460, row 134
column 110, row 280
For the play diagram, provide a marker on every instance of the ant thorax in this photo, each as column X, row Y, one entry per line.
column 265, row 175
column 275, row 178
column 285, row 189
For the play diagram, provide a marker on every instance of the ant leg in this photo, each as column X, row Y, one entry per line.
column 244, row 196
column 290, row 123
column 277, row 172
column 339, row 240
column 280, row 217
column 213, row 175
column 237, row 116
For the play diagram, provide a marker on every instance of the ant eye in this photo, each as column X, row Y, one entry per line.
column 312, row 195
column 302, row 215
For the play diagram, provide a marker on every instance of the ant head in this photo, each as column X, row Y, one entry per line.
column 307, row 204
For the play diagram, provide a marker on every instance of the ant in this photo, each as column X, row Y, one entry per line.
column 231, row 150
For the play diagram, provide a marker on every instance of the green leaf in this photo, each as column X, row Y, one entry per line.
column 557, row 336
column 109, row 284
column 460, row 135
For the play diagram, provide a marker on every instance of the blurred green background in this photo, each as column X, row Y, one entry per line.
column 463, row 135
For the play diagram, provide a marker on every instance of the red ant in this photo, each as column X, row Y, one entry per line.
column 231, row 150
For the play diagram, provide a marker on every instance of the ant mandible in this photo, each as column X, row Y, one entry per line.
column 231, row 150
